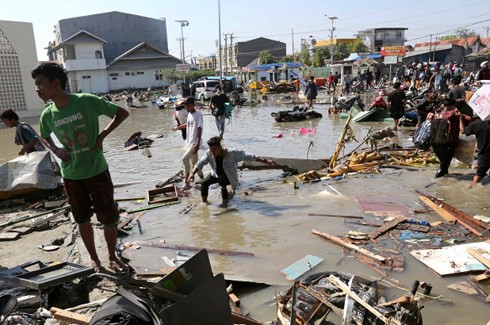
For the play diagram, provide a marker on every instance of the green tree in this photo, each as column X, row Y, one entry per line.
column 341, row 52
column 358, row 46
column 266, row 57
column 304, row 56
column 171, row 75
column 319, row 56
column 459, row 33
column 286, row 58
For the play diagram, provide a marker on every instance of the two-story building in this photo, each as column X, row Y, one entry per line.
column 113, row 51
column 17, row 59
column 376, row 38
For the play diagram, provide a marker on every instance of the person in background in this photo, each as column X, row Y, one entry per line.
column 436, row 79
column 481, row 129
column 217, row 106
column 396, row 104
column 194, row 126
column 224, row 168
column 336, row 80
column 180, row 115
column 484, row 72
column 311, row 91
column 445, row 152
column 330, row 81
column 346, row 83
column 74, row 120
column 25, row 135
column 426, row 105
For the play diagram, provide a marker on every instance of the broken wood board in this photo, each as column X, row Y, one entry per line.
column 387, row 226
column 69, row 317
column 384, row 206
column 464, row 287
column 452, row 260
column 440, row 211
column 6, row 236
column 353, row 247
column 301, row 266
column 479, row 256
column 163, row 194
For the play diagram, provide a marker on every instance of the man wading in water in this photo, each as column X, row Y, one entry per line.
column 224, row 168
column 74, row 120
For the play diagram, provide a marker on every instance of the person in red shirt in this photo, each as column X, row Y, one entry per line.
column 330, row 81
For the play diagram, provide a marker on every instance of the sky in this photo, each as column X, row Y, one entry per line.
column 282, row 20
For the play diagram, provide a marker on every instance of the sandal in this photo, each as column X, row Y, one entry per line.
column 96, row 266
column 118, row 267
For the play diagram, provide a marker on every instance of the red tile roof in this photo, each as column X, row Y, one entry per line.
column 459, row 41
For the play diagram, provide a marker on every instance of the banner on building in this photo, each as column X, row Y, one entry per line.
column 393, row 51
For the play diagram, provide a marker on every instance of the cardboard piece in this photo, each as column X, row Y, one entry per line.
column 480, row 102
column 384, row 206
column 452, row 260
column 163, row 194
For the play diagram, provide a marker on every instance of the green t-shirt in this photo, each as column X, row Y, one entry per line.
column 77, row 127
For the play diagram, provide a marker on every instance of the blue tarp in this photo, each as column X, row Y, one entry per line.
column 365, row 56
column 274, row 66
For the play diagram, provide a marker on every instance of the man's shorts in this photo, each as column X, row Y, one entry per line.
column 90, row 195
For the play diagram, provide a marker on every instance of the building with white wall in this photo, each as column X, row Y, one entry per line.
column 112, row 51
column 17, row 59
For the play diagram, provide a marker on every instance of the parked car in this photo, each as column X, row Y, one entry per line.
column 204, row 89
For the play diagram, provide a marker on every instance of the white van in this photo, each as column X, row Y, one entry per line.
column 204, row 89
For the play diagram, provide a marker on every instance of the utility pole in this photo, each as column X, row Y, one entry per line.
column 231, row 53
column 219, row 45
column 331, row 37
column 183, row 23
column 226, row 54
column 487, row 29
column 430, row 46
column 292, row 44
column 180, row 45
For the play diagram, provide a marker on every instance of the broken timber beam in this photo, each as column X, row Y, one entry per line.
column 387, row 226
column 69, row 317
column 193, row 248
column 475, row 226
column 340, row 144
column 348, row 245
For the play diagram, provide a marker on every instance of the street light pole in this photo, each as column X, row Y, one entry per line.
column 219, row 46
column 183, row 23
column 331, row 37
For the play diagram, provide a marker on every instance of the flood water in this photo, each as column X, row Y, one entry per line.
column 270, row 218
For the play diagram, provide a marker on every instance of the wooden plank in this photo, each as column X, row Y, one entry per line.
column 301, row 266
column 387, row 226
column 70, row 317
column 477, row 227
column 342, row 286
column 334, row 216
column 481, row 277
column 479, row 257
column 353, row 247
column 440, row 211
column 7, row 236
column 192, row 248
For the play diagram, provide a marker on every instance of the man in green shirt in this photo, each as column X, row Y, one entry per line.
column 74, row 120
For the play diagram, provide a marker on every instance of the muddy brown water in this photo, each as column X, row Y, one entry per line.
column 272, row 221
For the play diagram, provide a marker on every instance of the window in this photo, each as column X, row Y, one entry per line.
column 86, row 77
column 113, row 74
column 140, row 72
column 399, row 34
column 98, row 54
column 127, row 73
column 114, row 78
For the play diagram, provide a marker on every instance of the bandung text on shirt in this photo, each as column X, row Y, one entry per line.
column 68, row 119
